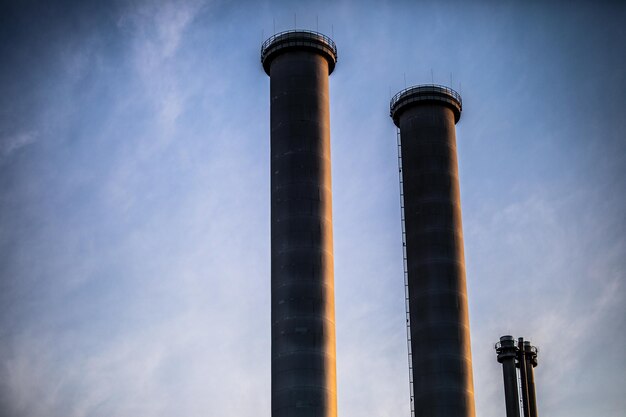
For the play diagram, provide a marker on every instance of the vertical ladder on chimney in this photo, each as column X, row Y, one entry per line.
column 406, row 276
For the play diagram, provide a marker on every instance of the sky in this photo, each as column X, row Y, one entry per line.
column 134, row 200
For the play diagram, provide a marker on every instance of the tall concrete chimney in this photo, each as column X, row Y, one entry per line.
column 303, row 307
column 441, row 363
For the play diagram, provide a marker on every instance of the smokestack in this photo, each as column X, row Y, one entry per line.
column 521, row 364
column 507, row 353
column 530, row 353
column 303, row 306
column 441, row 363
column 523, row 356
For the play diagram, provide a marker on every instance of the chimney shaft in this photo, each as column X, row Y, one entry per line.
column 438, row 312
column 303, row 307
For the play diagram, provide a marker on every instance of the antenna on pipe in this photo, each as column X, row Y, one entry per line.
column 432, row 77
column 295, row 26
column 274, row 21
column 317, row 24
column 404, row 80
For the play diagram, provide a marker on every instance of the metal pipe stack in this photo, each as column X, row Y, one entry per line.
column 522, row 356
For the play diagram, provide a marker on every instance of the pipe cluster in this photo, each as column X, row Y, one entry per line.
column 518, row 358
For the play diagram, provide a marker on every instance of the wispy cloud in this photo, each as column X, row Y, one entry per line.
column 13, row 143
column 157, row 30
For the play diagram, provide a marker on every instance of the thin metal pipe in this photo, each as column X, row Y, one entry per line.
column 521, row 363
column 531, row 362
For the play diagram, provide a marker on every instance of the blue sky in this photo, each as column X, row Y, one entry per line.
column 134, row 203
